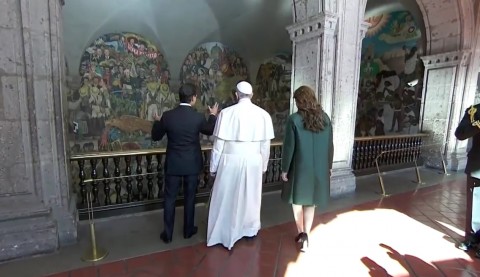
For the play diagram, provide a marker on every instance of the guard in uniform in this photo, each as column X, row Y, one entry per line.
column 469, row 128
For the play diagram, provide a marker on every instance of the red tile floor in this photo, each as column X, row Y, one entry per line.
column 409, row 234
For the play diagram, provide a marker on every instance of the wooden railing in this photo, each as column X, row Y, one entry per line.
column 367, row 149
column 133, row 181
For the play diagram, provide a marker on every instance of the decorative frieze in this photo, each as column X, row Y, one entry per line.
column 313, row 27
column 447, row 59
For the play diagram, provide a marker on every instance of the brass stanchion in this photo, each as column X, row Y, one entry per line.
column 94, row 253
column 380, row 178
column 444, row 166
column 445, row 172
column 419, row 177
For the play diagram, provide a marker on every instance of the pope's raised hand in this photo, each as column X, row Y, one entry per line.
column 213, row 110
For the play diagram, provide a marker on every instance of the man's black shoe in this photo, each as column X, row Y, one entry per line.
column 194, row 231
column 465, row 246
column 164, row 237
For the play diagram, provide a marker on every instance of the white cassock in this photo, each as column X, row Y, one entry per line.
column 240, row 154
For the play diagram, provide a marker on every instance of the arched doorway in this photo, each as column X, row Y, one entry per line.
column 391, row 71
column 446, row 39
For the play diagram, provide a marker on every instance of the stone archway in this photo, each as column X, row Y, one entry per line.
column 327, row 37
column 448, row 27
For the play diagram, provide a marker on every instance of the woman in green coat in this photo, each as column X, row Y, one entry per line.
column 307, row 159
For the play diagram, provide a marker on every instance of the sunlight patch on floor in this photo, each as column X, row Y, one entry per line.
column 372, row 240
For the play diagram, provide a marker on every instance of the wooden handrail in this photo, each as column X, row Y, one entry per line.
column 111, row 154
column 391, row 137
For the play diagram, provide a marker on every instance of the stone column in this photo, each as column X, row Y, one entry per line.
column 443, row 106
column 326, row 56
column 37, row 213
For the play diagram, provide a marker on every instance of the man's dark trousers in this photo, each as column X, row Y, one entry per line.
column 172, row 186
column 471, row 183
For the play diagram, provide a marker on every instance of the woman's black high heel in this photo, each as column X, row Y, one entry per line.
column 304, row 241
column 298, row 237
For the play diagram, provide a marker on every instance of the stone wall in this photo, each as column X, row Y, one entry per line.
column 36, row 212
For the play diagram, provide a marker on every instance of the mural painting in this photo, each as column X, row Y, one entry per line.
column 272, row 90
column 389, row 97
column 214, row 69
column 125, row 81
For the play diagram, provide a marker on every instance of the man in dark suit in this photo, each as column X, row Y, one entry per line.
column 184, row 160
column 469, row 127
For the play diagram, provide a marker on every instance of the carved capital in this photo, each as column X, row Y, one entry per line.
column 364, row 28
column 455, row 58
column 313, row 27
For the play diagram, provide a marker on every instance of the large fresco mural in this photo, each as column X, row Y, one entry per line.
column 215, row 69
column 125, row 81
column 272, row 89
column 389, row 97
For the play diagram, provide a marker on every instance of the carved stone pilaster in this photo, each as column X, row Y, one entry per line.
column 314, row 47
column 327, row 52
column 363, row 29
column 313, row 27
column 443, row 106
column 37, row 213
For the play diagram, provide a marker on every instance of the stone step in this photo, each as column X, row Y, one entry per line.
column 26, row 228
column 21, row 208
column 27, row 236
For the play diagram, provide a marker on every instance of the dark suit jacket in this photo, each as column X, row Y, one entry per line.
column 183, row 126
column 464, row 131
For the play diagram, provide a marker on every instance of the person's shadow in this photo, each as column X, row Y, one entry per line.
column 375, row 269
column 410, row 263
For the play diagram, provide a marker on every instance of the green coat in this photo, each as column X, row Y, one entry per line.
column 308, row 158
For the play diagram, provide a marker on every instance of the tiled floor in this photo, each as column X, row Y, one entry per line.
column 408, row 234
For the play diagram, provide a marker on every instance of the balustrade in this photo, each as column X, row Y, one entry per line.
column 367, row 149
column 137, row 182
column 134, row 180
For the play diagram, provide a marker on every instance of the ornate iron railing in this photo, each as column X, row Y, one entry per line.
column 133, row 181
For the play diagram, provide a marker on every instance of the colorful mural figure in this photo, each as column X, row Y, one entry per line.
column 214, row 69
column 272, row 91
column 390, row 61
column 124, row 83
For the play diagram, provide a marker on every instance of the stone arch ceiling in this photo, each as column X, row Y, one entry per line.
column 448, row 23
column 374, row 7
column 255, row 27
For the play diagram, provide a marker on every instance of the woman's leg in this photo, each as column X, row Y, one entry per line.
column 308, row 214
column 298, row 215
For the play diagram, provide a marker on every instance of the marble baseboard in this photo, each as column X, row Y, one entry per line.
column 342, row 182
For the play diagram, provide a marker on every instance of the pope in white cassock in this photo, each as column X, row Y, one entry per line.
column 239, row 158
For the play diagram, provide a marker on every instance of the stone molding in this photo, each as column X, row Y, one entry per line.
column 454, row 58
column 364, row 28
column 313, row 27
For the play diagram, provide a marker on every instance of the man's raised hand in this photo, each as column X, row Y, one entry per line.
column 213, row 110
